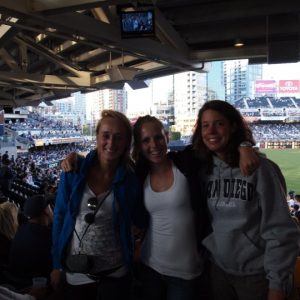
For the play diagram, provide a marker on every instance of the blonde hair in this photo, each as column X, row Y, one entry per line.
column 8, row 219
column 125, row 123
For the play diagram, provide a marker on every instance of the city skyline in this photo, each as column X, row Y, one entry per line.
column 178, row 97
column 142, row 97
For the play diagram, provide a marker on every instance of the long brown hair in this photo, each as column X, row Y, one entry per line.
column 240, row 134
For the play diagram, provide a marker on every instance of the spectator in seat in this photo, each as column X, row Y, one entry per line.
column 291, row 198
column 6, row 175
column 295, row 209
column 5, row 156
column 8, row 228
column 30, row 253
column 296, row 217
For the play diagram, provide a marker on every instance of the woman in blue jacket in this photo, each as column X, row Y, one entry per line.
column 93, row 215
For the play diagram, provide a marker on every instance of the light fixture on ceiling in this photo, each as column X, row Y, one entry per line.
column 238, row 43
column 120, row 73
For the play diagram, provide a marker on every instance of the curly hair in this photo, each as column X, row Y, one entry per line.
column 241, row 133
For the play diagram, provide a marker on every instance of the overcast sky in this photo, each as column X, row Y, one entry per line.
column 282, row 71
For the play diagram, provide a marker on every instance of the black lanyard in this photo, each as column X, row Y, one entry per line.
column 89, row 224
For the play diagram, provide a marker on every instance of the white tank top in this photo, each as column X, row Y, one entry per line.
column 170, row 245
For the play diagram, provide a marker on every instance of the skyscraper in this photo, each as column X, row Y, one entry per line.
column 239, row 78
column 190, row 94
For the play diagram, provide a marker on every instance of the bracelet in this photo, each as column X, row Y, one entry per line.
column 246, row 144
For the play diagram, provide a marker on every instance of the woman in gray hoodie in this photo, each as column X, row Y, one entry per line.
column 254, row 242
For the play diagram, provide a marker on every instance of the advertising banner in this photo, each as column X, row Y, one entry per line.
column 251, row 119
column 289, row 86
column 265, row 86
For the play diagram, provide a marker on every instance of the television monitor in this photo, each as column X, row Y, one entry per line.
column 138, row 23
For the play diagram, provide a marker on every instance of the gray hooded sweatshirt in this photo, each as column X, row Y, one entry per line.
column 253, row 232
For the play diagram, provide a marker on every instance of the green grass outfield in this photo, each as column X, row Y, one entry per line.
column 289, row 162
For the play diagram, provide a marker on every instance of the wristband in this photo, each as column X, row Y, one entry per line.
column 246, row 144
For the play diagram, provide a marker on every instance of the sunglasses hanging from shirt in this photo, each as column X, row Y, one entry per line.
column 81, row 263
column 93, row 205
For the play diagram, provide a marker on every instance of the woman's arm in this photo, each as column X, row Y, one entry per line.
column 56, row 278
column 60, row 210
column 249, row 160
column 70, row 162
column 59, row 213
column 281, row 234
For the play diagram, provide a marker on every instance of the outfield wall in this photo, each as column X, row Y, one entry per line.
column 279, row 145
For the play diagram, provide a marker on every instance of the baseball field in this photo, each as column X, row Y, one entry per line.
column 289, row 162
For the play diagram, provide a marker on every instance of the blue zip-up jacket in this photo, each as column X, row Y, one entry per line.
column 127, row 196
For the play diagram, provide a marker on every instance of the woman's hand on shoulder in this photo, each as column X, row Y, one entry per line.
column 70, row 162
column 249, row 160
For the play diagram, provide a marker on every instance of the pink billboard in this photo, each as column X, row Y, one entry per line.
column 265, row 86
column 289, row 86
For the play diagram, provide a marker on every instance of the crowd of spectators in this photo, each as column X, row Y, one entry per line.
column 293, row 201
column 38, row 168
column 36, row 121
column 37, row 127
column 267, row 102
column 283, row 102
column 268, row 132
column 297, row 101
column 27, row 200
column 258, row 102
column 275, row 131
column 50, row 134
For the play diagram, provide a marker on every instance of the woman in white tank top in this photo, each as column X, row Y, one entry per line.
column 171, row 264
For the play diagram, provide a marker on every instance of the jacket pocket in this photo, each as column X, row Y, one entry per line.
column 234, row 252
